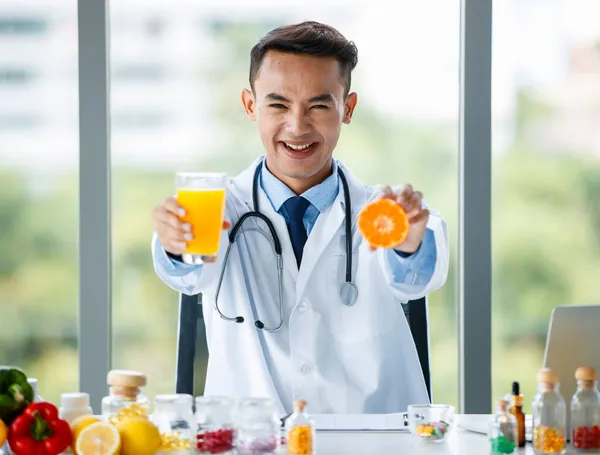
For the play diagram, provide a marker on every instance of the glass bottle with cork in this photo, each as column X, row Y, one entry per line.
column 125, row 395
column 549, row 415
column 503, row 431
column 516, row 409
column 585, row 412
column 300, row 429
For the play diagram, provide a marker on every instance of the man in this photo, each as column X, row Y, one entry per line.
column 340, row 357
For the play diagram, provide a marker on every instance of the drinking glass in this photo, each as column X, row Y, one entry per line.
column 202, row 196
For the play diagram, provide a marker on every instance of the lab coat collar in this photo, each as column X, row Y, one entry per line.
column 359, row 193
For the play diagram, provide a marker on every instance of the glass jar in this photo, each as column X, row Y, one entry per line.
column 503, row 432
column 125, row 395
column 300, row 430
column 585, row 412
column 548, row 412
column 214, row 419
column 174, row 417
column 258, row 428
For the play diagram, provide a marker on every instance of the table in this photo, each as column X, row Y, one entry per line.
column 459, row 442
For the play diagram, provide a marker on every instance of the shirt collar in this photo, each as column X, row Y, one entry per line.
column 320, row 196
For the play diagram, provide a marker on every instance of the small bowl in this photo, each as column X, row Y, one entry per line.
column 431, row 422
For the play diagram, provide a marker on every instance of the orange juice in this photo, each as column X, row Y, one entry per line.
column 204, row 211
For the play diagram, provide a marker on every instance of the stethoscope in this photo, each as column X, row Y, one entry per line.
column 348, row 291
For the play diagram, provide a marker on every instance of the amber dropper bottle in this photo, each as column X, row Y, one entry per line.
column 517, row 410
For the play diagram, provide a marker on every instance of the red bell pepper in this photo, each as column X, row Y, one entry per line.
column 39, row 431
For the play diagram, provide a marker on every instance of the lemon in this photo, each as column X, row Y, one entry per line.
column 98, row 438
column 78, row 425
column 139, row 436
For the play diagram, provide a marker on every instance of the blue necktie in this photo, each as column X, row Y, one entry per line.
column 296, row 207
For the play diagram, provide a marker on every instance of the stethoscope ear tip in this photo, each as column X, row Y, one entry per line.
column 239, row 319
column 259, row 325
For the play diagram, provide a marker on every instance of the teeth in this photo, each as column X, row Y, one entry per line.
column 298, row 147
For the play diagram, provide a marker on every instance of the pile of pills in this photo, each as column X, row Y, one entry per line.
column 258, row 446
column 548, row 440
column 174, row 441
column 215, row 441
column 300, row 440
column 586, row 438
column 134, row 410
column 433, row 431
column 502, row 445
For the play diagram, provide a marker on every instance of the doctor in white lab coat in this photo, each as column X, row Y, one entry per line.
column 341, row 359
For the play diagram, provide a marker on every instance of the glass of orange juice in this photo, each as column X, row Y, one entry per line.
column 202, row 196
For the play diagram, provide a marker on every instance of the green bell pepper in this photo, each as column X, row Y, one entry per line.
column 15, row 393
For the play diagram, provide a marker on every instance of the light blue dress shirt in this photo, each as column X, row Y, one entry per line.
column 415, row 269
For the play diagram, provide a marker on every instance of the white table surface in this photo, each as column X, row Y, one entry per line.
column 459, row 442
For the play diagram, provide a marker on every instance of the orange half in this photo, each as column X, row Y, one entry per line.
column 383, row 223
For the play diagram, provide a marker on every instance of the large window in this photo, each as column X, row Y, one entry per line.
column 405, row 130
column 546, row 175
column 39, row 193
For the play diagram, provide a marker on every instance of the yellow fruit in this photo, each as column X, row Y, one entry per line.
column 78, row 425
column 99, row 438
column 2, row 433
column 139, row 436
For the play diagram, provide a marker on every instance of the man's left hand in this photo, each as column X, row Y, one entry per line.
column 418, row 216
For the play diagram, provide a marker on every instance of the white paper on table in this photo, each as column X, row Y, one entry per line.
column 361, row 422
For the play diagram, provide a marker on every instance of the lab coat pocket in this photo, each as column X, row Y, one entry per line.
column 374, row 314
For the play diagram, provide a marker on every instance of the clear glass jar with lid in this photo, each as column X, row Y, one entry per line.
column 503, row 431
column 548, row 412
column 215, row 429
column 585, row 412
column 301, row 431
column 174, row 417
column 258, row 428
column 125, row 396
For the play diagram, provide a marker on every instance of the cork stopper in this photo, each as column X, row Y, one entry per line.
column 546, row 375
column 586, row 373
column 586, row 376
column 299, row 405
column 502, row 405
column 126, row 378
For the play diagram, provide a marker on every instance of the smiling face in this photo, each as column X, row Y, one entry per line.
column 299, row 106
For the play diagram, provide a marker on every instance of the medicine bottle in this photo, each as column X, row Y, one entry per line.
column 300, row 429
column 125, row 395
column 503, row 432
column 549, row 415
column 516, row 409
column 73, row 405
column 585, row 412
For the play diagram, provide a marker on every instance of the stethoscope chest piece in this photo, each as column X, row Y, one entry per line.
column 348, row 293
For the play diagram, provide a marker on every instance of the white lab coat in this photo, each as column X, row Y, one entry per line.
column 359, row 359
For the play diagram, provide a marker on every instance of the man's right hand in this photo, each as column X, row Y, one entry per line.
column 172, row 232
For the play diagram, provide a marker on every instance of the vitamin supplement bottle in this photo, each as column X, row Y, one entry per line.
column 517, row 410
column 300, row 429
column 549, row 415
column 503, row 430
column 585, row 412
column 125, row 396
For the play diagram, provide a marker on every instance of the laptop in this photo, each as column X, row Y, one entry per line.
column 573, row 340
column 565, row 351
